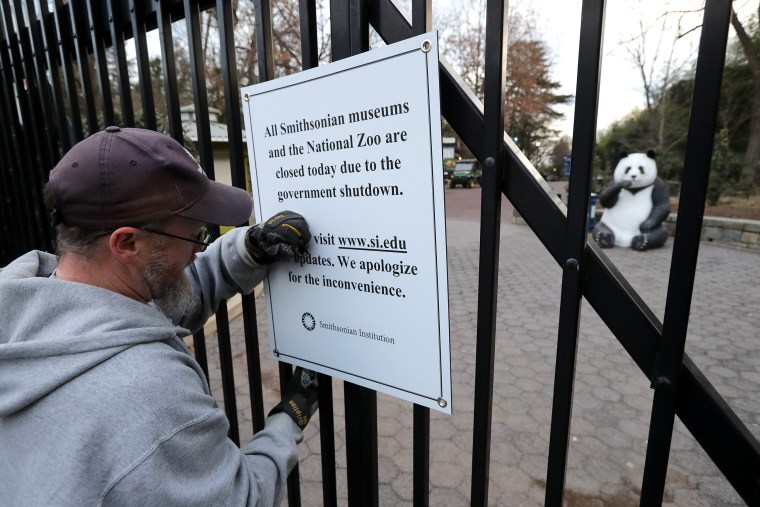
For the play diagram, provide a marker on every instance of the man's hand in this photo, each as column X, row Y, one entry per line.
column 300, row 399
column 280, row 237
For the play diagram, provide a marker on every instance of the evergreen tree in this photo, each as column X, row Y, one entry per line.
column 531, row 96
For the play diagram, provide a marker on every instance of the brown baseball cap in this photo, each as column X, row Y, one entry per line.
column 129, row 176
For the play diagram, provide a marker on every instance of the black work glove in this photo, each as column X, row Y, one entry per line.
column 300, row 399
column 280, row 237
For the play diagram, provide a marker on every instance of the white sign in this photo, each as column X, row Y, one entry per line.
column 355, row 147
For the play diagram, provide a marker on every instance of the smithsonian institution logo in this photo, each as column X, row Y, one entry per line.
column 308, row 321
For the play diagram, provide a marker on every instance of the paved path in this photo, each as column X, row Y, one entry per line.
column 612, row 400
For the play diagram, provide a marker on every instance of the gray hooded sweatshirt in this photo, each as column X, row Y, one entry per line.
column 101, row 403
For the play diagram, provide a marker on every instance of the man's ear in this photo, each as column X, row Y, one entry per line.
column 125, row 244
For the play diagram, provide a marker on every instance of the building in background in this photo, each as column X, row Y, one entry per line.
column 219, row 142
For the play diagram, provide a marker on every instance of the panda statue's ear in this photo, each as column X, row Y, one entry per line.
column 622, row 155
column 651, row 154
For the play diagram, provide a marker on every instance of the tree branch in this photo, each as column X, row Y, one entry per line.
column 746, row 43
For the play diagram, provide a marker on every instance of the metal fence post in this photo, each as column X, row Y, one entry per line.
column 584, row 137
column 78, row 18
column 490, row 225
column 116, row 26
column 137, row 20
column 75, row 129
column 683, row 266
column 422, row 22
column 349, row 26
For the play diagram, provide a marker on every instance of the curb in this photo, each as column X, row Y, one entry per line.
column 739, row 232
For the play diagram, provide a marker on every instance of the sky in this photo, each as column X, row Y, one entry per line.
column 621, row 86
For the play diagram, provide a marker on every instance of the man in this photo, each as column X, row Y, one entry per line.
column 101, row 403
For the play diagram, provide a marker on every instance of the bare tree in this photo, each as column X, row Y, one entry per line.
column 286, row 38
column 463, row 29
column 658, row 77
column 286, row 43
column 653, row 52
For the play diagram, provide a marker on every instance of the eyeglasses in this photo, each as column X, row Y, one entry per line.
column 203, row 238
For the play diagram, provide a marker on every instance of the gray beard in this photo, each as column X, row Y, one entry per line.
column 177, row 296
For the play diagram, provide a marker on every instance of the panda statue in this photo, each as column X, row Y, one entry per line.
column 636, row 203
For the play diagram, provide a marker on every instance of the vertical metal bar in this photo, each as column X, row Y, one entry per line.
column 252, row 356
column 41, row 109
column 234, row 127
column 199, row 348
column 264, row 52
column 263, row 14
column 64, row 38
column 200, row 98
column 17, row 231
column 33, row 97
column 231, row 92
column 47, row 134
column 198, row 79
column 294, row 489
column 10, row 246
column 143, row 65
column 176, row 131
column 349, row 27
column 490, row 222
column 6, row 168
column 17, row 153
column 699, row 147
column 340, row 29
column 169, row 70
column 421, row 464
column 101, row 65
column 359, row 26
column 122, row 70
column 3, row 39
column 30, row 153
column 49, row 44
column 422, row 16
column 7, row 248
column 361, row 445
column 228, row 379
column 310, row 60
column 83, row 62
column 309, row 47
column 584, row 136
column 327, row 441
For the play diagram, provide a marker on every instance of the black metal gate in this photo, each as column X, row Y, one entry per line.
column 57, row 88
